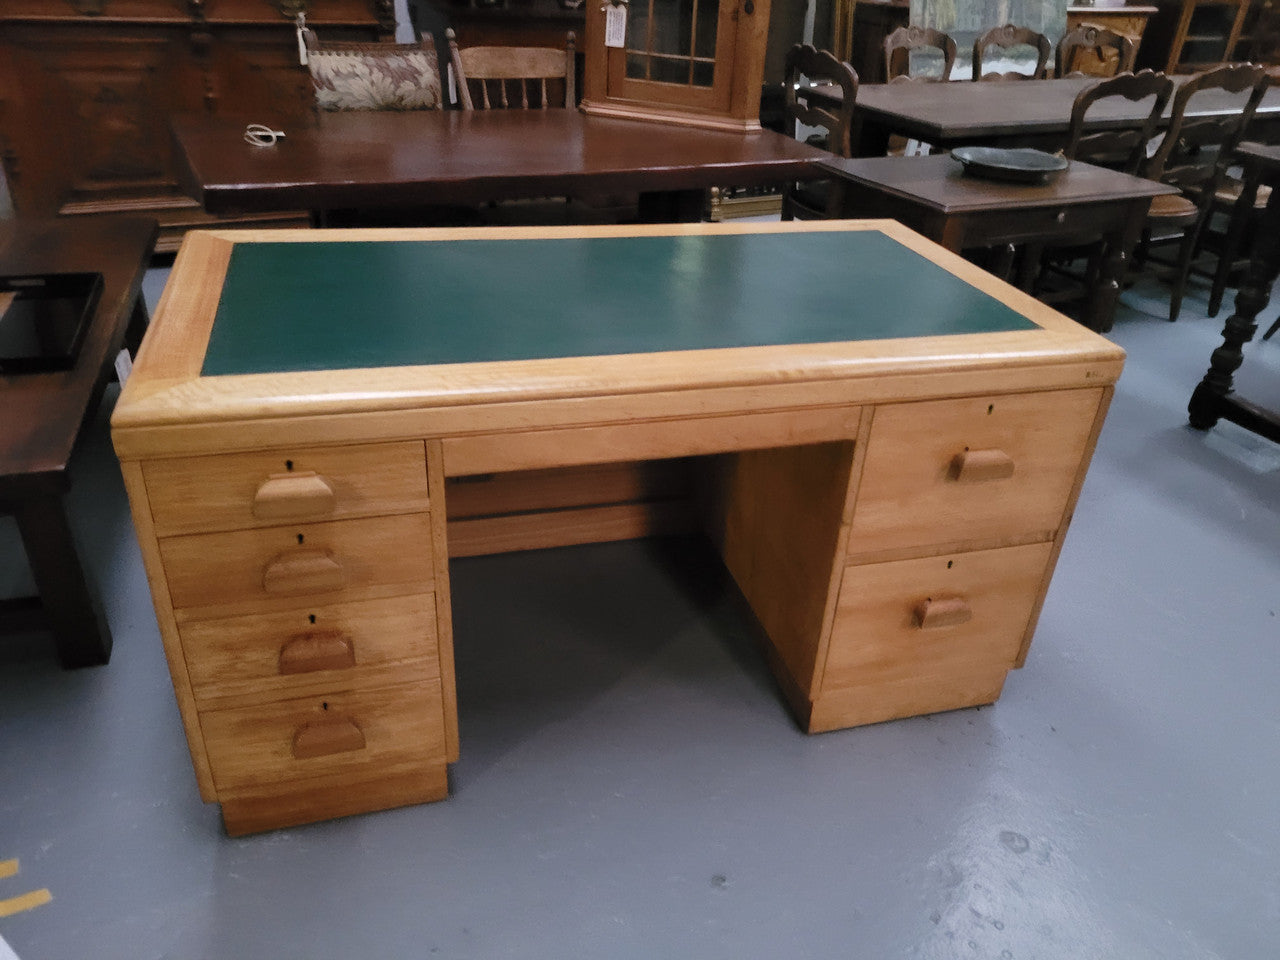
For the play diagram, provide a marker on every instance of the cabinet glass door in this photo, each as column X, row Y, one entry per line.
column 676, row 52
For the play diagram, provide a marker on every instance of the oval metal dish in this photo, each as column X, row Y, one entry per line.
column 1019, row 164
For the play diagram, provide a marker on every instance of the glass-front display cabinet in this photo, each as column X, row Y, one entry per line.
column 693, row 62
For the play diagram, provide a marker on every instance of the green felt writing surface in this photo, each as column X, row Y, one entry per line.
column 342, row 305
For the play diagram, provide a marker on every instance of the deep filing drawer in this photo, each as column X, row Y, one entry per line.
column 386, row 730
column 233, row 491
column 976, row 469
column 371, row 643
column 933, row 617
column 252, row 571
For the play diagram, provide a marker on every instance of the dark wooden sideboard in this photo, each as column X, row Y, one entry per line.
column 87, row 88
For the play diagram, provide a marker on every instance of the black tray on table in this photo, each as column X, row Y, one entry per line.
column 1018, row 164
column 43, row 319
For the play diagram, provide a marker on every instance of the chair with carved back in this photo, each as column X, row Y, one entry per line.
column 1113, row 50
column 1117, row 148
column 521, row 78
column 805, row 67
column 1194, row 156
column 349, row 75
column 897, row 53
column 1006, row 38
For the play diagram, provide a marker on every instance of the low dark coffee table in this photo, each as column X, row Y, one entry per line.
column 43, row 414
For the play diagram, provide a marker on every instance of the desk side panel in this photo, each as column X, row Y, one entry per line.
column 140, row 507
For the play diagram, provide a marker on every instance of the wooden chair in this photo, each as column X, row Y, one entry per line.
column 816, row 201
column 1107, row 46
column 1012, row 36
column 1194, row 157
column 897, row 53
column 348, row 75
column 1123, row 149
column 524, row 78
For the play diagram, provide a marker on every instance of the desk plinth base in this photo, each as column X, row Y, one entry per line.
column 255, row 814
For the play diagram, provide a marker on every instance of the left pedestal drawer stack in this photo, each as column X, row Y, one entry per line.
column 301, row 626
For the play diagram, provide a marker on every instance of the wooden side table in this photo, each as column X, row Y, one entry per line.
column 1213, row 399
column 933, row 196
column 44, row 414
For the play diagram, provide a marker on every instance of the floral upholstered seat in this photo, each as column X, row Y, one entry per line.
column 374, row 76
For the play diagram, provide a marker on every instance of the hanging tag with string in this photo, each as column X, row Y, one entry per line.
column 615, row 23
column 299, row 25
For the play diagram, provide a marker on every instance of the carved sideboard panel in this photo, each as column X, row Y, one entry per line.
column 87, row 88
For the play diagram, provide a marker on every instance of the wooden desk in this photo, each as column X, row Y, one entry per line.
column 390, row 159
column 952, row 115
column 44, row 412
column 1213, row 399
column 934, row 196
column 889, row 476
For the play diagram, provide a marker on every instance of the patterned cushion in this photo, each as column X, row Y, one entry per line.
column 374, row 76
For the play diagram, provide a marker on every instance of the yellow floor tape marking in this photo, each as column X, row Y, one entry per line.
column 28, row 901
column 8, row 868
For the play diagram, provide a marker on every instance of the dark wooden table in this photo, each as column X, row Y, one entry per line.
column 1035, row 113
column 1213, row 399
column 934, row 196
column 43, row 414
column 390, row 159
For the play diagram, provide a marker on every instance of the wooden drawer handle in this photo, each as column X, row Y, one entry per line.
column 974, row 466
column 321, row 650
column 320, row 738
column 303, row 571
column 942, row 612
column 288, row 496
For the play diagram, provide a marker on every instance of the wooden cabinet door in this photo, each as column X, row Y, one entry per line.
column 690, row 61
column 676, row 52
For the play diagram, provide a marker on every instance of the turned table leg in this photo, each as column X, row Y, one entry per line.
column 1208, row 401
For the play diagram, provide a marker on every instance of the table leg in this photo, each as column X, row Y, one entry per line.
column 1100, row 309
column 138, row 321
column 870, row 140
column 79, row 628
column 1210, row 399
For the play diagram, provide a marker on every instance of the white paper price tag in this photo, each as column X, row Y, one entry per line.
column 615, row 26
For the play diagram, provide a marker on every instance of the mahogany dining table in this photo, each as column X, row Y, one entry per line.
column 1028, row 113
column 388, row 159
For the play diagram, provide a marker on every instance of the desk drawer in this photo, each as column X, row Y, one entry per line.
column 228, row 492
column 390, row 729
column 371, row 643
column 933, row 617
column 977, row 469
column 278, row 568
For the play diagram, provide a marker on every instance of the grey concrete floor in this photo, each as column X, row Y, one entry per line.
column 632, row 786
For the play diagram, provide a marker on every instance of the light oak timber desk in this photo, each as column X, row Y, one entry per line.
column 888, row 476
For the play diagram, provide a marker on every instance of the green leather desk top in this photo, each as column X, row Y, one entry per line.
column 344, row 305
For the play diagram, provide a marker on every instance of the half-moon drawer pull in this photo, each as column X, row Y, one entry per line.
column 973, row 466
column 303, row 571
column 320, row 738
column 942, row 612
column 321, row 650
column 288, row 496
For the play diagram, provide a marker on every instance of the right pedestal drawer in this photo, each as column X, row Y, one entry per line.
column 927, row 634
column 980, row 470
